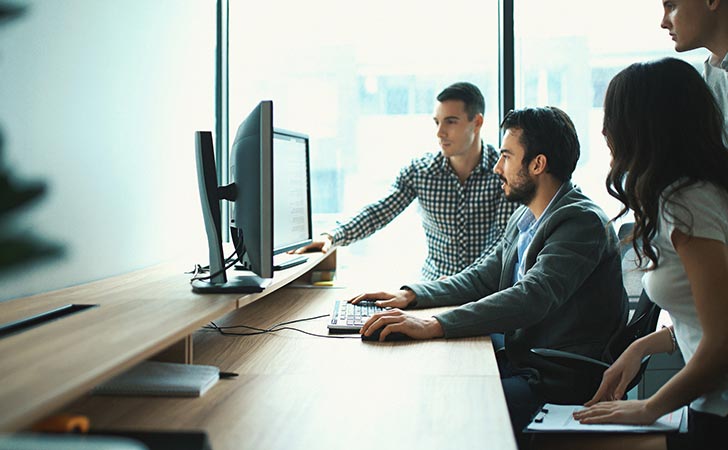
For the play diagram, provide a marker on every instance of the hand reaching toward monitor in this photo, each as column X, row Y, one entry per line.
column 323, row 243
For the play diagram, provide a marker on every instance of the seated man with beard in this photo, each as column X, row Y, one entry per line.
column 554, row 281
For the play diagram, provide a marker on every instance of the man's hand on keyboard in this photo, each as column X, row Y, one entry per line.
column 396, row 320
column 399, row 299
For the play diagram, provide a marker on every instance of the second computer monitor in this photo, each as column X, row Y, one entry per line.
column 291, row 191
column 269, row 168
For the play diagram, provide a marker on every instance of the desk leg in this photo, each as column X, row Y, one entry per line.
column 328, row 263
column 323, row 271
column 179, row 352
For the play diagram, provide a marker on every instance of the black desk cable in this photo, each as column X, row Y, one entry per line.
column 229, row 262
column 275, row 328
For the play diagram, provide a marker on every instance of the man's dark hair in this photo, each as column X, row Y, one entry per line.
column 548, row 131
column 468, row 93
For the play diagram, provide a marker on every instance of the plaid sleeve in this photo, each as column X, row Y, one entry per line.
column 503, row 214
column 376, row 215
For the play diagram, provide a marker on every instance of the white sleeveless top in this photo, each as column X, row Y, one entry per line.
column 706, row 214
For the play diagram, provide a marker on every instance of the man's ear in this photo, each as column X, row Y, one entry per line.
column 538, row 165
column 479, row 121
column 712, row 4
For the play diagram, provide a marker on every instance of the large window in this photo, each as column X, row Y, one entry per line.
column 361, row 80
column 362, row 83
column 566, row 53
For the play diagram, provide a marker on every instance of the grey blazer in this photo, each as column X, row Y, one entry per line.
column 571, row 297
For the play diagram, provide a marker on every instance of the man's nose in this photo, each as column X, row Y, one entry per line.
column 665, row 23
column 497, row 168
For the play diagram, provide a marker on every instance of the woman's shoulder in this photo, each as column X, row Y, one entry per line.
column 696, row 193
column 698, row 209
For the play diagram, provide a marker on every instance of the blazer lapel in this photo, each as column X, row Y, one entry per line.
column 510, row 256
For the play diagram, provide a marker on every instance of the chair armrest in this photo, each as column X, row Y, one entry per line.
column 558, row 354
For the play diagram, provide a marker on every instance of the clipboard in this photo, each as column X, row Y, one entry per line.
column 559, row 419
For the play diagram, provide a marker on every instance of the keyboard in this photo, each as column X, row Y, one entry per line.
column 348, row 318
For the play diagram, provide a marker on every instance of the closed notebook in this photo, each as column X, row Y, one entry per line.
column 162, row 379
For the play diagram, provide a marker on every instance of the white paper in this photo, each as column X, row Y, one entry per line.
column 559, row 418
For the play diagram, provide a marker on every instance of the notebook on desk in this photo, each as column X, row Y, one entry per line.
column 348, row 318
column 163, row 379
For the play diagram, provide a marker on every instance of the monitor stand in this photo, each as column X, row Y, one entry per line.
column 240, row 285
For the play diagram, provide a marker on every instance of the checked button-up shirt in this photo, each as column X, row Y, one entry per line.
column 463, row 223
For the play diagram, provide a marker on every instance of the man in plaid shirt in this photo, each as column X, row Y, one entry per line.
column 464, row 211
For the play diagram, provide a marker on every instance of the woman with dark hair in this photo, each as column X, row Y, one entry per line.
column 670, row 167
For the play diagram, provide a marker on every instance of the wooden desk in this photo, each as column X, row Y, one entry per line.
column 291, row 392
column 294, row 391
column 140, row 314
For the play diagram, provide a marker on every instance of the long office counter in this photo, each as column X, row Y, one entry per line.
column 135, row 316
column 294, row 390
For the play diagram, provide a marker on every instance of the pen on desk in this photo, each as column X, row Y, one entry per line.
column 228, row 374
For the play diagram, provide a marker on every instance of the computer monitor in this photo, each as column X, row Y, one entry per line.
column 292, row 226
column 269, row 200
column 251, row 174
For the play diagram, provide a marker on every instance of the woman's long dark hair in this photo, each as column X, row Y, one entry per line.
column 663, row 126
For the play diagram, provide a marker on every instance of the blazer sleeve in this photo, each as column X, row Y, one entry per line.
column 564, row 253
column 474, row 282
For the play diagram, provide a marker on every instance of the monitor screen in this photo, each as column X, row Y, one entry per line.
column 291, row 191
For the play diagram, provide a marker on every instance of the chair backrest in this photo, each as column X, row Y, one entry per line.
column 631, row 273
column 645, row 313
column 625, row 230
column 643, row 322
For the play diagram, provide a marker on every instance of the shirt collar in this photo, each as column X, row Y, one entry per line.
column 480, row 167
column 563, row 188
column 528, row 220
column 717, row 62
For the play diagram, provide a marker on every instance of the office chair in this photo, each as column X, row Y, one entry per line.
column 631, row 275
column 642, row 322
column 625, row 230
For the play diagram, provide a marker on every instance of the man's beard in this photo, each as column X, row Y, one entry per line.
column 523, row 190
